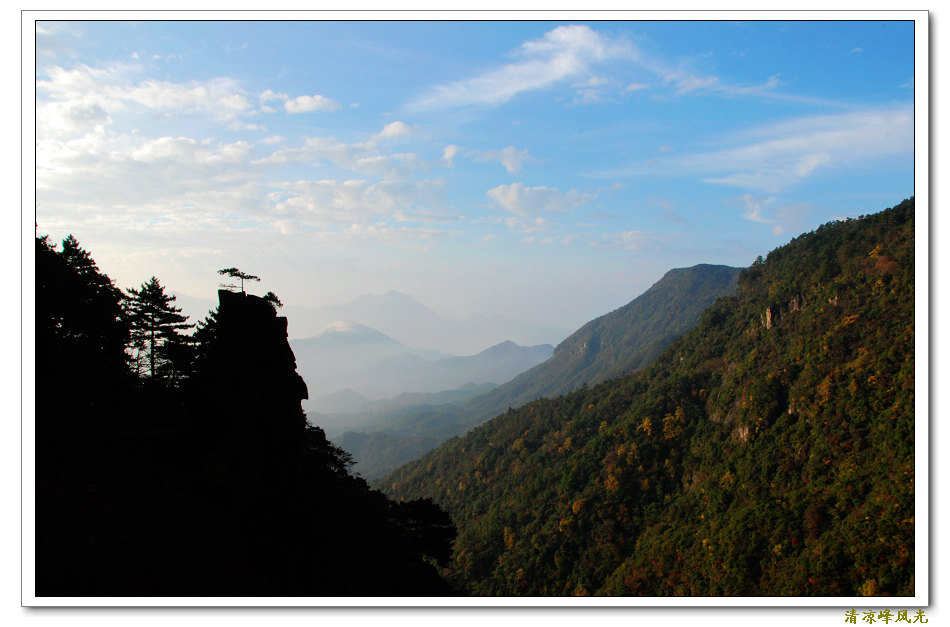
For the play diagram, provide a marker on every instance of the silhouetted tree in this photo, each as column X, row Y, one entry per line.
column 272, row 300
column 156, row 325
column 431, row 531
column 234, row 273
column 204, row 336
column 80, row 331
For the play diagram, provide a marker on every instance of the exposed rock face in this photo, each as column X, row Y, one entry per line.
column 775, row 314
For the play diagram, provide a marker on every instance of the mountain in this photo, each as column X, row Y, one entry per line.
column 329, row 360
column 411, row 323
column 351, row 356
column 394, row 313
column 496, row 364
column 768, row 452
column 621, row 341
column 347, row 410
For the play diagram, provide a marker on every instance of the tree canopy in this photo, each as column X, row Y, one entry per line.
column 158, row 343
column 234, row 273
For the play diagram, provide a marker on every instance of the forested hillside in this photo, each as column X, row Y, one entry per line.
column 770, row 451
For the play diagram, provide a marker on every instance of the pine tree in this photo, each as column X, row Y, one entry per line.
column 203, row 339
column 81, row 333
column 156, row 331
column 234, row 273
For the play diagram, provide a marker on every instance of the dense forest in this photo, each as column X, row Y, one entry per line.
column 174, row 459
column 769, row 451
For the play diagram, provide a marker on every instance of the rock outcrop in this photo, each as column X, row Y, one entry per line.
column 252, row 375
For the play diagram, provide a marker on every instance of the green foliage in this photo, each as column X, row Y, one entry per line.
column 767, row 452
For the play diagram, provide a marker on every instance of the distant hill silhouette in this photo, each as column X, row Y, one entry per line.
column 405, row 319
column 349, row 355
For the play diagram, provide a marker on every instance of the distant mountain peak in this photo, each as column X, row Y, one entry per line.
column 393, row 295
column 347, row 327
column 503, row 348
column 347, row 330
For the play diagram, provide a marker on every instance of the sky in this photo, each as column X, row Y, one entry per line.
column 546, row 171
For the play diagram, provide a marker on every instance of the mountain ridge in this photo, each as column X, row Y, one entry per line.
column 622, row 340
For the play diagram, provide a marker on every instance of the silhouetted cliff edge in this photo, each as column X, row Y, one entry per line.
column 215, row 488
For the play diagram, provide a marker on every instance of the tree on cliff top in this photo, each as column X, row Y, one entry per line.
column 234, row 273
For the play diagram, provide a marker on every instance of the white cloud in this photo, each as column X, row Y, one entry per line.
column 67, row 98
column 220, row 96
column 366, row 157
column 781, row 218
column 527, row 225
column 187, row 151
column 394, row 130
column 754, row 206
column 414, row 238
column 325, row 203
column 595, row 89
column 627, row 240
column 565, row 53
column 579, row 54
column 306, row 104
column 535, row 201
column 773, row 157
column 267, row 96
column 686, row 83
column 510, row 157
column 448, row 154
column 396, row 166
column 123, row 178
column 72, row 117
column 362, row 157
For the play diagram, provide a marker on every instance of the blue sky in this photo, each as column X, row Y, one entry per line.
column 549, row 171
